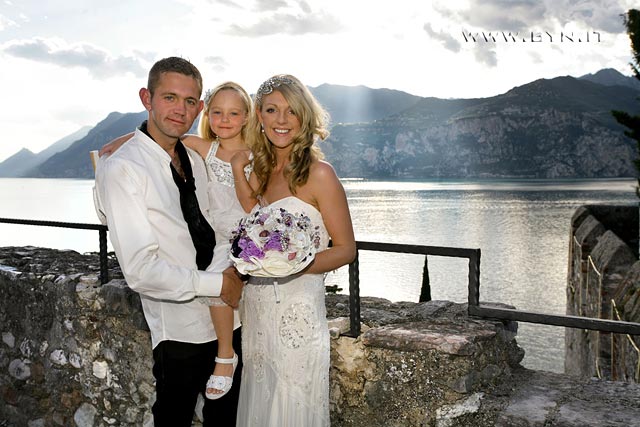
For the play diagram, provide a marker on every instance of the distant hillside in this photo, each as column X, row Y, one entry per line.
column 355, row 104
column 74, row 161
column 18, row 164
column 21, row 163
column 549, row 128
column 611, row 77
column 545, row 129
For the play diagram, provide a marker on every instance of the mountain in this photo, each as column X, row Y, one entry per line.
column 74, row 161
column 557, row 128
column 549, row 128
column 18, row 164
column 21, row 163
column 611, row 77
column 363, row 104
column 354, row 104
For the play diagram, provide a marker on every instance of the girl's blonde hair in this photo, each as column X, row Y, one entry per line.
column 204, row 127
column 313, row 125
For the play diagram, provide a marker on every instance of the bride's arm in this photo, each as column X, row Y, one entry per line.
column 332, row 203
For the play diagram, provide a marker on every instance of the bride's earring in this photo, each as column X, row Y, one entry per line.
column 261, row 128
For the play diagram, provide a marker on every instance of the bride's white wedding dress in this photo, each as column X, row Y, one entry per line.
column 285, row 345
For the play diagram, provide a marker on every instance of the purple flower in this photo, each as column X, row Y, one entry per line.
column 249, row 249
column 274, row 243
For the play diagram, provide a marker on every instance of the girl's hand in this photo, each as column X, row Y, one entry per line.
column 113, row 145
column 240, row 159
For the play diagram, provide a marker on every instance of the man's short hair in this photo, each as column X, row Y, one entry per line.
column 176, row 65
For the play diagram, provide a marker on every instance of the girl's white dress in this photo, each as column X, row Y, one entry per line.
column 225, row 212
column 285, row 345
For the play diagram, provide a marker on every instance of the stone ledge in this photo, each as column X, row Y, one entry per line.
column 440, row 336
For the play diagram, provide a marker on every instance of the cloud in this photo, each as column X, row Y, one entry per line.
column 485, row 54
column 536, row 57
column 97, row 61
column 305, row 6
column 596, row 15
column 229, row 3
column 289, row 23
column 446, row 39
column 535, row 15
column 503, row 15
column 5, row 23
column 217, row 63
column 270, row 5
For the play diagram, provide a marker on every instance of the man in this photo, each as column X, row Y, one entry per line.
column 152, row 192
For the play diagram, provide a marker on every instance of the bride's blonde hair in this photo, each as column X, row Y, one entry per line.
column 313, row 125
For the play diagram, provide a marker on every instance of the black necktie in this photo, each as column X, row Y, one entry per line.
column 202, row 235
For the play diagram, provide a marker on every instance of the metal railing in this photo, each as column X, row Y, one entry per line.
column 474, row 308
column 102, row 237
column 473, row 255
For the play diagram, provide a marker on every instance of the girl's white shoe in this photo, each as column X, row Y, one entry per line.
column 219, row 382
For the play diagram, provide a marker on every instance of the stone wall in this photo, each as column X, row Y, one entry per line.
column 75, row 352
column 603, row 282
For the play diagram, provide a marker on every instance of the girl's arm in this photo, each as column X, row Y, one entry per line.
column 196, row 143
column 192, row 141
column 332, row 204
column 113, row 145
column 244, row 187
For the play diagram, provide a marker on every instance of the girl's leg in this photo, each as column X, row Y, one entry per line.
column 222, row 318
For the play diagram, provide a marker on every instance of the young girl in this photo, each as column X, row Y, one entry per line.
column 222, row 132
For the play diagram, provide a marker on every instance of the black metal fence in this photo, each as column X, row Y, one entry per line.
column 102, row 237
column 474, row 307
column 473, row 256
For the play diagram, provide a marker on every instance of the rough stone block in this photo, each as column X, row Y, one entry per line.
column 588, row 233
column 611, row 253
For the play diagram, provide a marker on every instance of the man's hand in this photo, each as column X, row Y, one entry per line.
column 231, row 287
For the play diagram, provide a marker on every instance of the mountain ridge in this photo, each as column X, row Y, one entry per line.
column 559, row 127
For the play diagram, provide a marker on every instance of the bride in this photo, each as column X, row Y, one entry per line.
column 285, row 378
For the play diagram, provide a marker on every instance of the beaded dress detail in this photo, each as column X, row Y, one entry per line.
column 285, row 345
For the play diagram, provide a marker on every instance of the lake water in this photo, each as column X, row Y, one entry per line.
column 521, row 227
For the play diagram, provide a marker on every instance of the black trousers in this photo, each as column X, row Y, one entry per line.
column 181, row 371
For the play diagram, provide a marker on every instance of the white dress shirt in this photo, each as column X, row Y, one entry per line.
column 136, row 194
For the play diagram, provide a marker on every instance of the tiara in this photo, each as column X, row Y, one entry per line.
column 207, row 97
column 268, row 86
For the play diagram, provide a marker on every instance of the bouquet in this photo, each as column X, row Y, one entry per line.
column 272, row 242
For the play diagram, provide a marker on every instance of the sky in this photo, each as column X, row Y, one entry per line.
column 69, row 63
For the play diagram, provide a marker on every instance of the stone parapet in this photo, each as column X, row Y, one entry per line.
column 77, row 353
column 603, row 283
